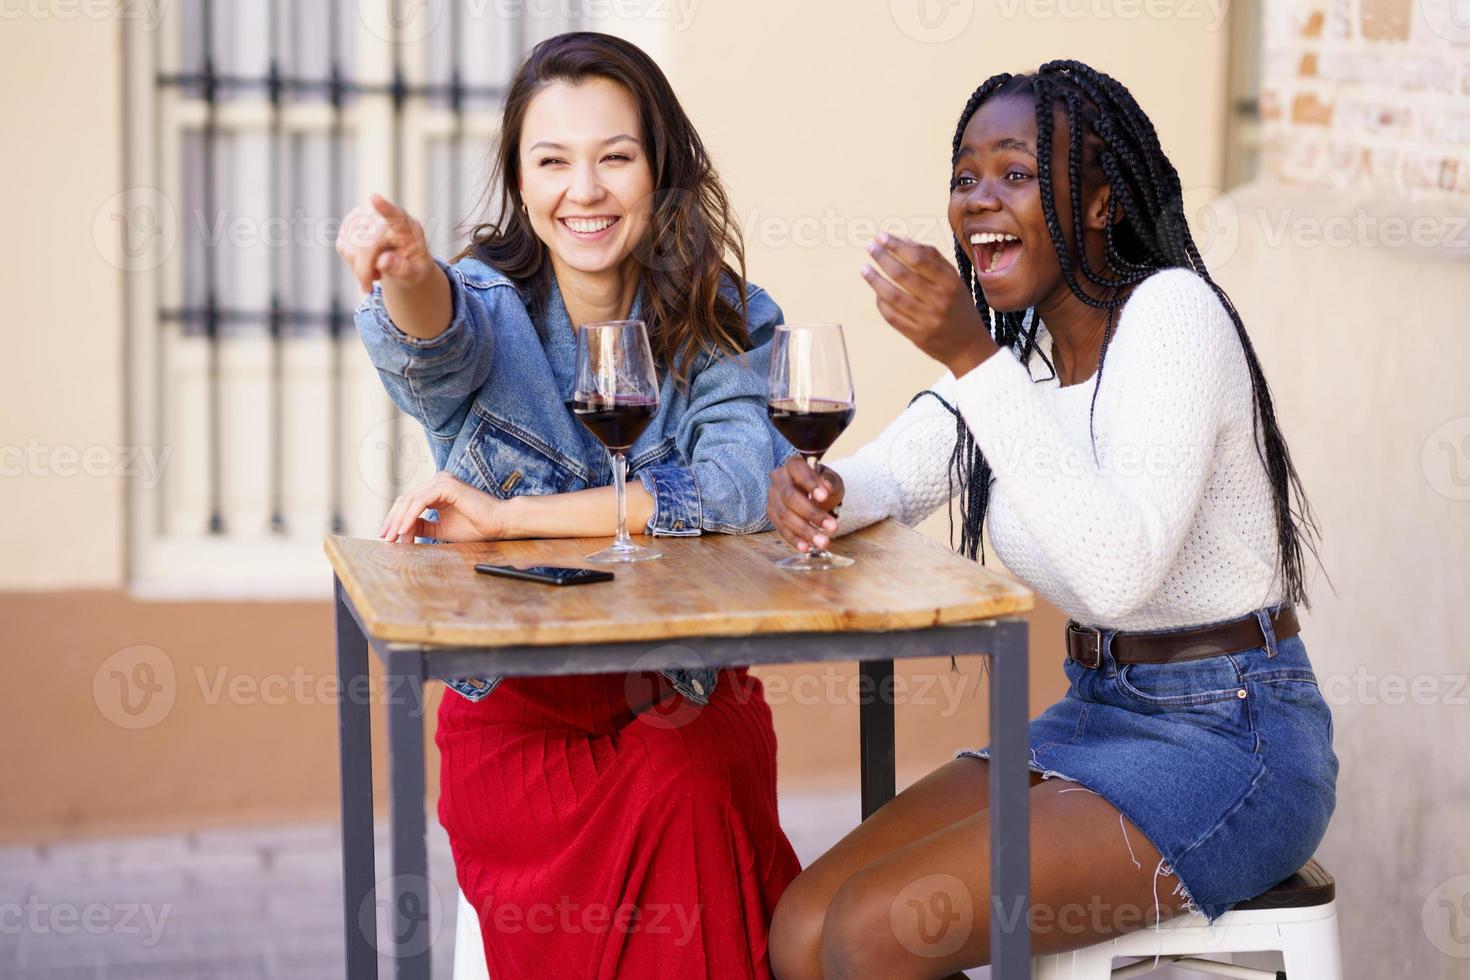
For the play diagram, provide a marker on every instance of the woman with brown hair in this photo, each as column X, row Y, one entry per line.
column 602, row 825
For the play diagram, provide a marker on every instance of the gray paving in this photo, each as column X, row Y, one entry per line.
column 253, row 902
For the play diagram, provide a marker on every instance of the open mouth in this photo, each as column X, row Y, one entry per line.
column 995, row 252
column 590, row 228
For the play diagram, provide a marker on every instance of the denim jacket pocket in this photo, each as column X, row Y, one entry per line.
column 505, row 459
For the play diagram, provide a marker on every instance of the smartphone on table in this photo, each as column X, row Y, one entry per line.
column 548, row 574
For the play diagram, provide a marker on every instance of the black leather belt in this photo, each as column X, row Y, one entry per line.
column 1163, row 646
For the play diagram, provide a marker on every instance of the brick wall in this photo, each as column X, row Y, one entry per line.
column 1370, row 94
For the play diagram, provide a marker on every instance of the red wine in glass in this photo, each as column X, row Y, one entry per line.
column 811, row 426
column 810, row 402
column 615, row 394
column 618, row 423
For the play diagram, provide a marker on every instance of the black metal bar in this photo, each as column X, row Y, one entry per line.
column 876, row 733
column 411, row 929
column 712, row 651
column 276, row 423
column 398, row 89
column 336, row 317
column 264, row 318
column 1010, row 828
column 355, row 745
column 211, row 300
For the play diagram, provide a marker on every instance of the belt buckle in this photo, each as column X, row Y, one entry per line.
column 1096, row 634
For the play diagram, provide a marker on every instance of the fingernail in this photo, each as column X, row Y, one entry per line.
column 830, row 524
column 801, row 546
column 820, row 540
column 874, row 248
column 867, row 272
column 819, row 494
column 883, row 237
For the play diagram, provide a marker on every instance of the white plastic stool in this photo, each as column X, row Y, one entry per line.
column 469, row 947
column 1296, row 920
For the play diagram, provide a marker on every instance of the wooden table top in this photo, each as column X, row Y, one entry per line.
column 710, row 585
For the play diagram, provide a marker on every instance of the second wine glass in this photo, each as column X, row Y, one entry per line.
column 615, row 395
column 811, row 401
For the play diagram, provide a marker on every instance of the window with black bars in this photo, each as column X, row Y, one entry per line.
column 264, row 122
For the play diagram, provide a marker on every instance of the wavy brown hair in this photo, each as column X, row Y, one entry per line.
column 693, row 243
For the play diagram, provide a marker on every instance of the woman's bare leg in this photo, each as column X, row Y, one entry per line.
column 955, row 790
column 922, row 910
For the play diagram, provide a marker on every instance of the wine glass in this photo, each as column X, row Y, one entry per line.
column 811, row 401
column 615, row 396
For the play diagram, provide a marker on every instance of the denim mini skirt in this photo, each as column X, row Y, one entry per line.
column 1225, row 763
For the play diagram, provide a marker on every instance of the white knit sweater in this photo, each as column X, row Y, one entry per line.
column 1172, row 526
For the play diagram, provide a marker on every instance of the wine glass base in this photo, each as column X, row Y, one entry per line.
column 621, row 553
column 814, row 563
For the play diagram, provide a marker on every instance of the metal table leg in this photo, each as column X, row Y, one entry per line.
column 411, row 928
column 876, row 733
column 354, row 736
column 1010, row 830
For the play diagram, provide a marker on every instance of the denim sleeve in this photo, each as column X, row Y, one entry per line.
column 434, row 380
column 729, row 441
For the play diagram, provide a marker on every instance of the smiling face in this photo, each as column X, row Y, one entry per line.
column 995, row 208
column 585, row 176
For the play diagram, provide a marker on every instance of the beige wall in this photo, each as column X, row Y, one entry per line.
column 61, row 422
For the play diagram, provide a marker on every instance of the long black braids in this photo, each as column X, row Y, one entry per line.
column 1107, row 129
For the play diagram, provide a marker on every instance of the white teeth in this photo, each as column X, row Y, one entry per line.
column 588, row 226
column 991, row 237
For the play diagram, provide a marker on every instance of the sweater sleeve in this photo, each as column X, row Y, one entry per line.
column 904, row 472
column 1112, row 527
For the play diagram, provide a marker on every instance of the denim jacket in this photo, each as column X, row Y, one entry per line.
column 491, row 392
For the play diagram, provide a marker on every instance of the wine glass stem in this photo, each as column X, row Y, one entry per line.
column 620, row 477
column 816, row 466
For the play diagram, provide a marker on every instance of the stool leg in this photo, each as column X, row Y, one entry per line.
column 1311, row 950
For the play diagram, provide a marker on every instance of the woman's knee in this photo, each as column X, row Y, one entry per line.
column 796, row 930
column 857, row 934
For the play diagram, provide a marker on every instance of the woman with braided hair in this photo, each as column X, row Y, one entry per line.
column 1104, row 408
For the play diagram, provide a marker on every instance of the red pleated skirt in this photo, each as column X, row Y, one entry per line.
column 599, row 841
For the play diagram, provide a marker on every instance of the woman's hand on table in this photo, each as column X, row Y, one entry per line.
column 800, row 505
column 924, row 299
column 465, row 513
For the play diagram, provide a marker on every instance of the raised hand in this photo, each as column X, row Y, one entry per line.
column 379, row 240
column 924, row 299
